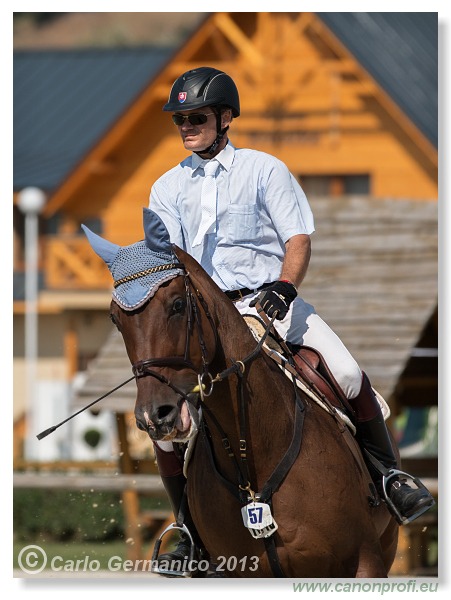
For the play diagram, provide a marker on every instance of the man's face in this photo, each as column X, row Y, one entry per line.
column 198, row 137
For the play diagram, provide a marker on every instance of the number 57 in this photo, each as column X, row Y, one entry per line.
column 255, row 515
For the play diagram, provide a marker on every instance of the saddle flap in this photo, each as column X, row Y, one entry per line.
column 310, row 356
column 312, row 367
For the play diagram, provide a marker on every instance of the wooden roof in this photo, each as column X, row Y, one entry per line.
column 372, row 277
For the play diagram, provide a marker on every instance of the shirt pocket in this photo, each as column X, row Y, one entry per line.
column 243, row 223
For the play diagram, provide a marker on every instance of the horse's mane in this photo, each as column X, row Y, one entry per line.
column 228, row 319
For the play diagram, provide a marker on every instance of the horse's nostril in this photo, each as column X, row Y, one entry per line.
column 141, row 425
column 165, row 414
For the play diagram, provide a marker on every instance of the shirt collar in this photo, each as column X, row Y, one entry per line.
column 224, row 158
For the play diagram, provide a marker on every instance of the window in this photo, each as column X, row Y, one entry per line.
column 335, row 185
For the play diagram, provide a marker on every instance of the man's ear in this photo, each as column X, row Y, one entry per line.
column 226, row 117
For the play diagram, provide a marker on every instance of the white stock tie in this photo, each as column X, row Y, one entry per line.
column 207, row 202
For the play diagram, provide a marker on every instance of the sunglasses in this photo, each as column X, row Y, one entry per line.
column 199, row 119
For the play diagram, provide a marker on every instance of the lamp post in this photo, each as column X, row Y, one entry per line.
column 31, row 201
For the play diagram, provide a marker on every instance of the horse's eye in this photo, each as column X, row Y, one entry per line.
column 178, row 306
column 114, row 320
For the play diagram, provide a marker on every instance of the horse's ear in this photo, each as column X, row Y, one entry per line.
column 157, row 236
column 105, row 249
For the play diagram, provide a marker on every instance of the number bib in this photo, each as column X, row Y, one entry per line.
column 258, row 519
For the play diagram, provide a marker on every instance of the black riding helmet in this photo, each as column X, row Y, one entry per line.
column 201, row 87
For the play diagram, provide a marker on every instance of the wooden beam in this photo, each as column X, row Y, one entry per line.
column 303, row 103
column 133, row 535
column 312, row 122
column 303, row 21
column 71, row 350
column 95, row 482
column 129, row 496
column 70, row 262
column 238, row 38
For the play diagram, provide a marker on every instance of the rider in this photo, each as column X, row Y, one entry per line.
column 255, row 244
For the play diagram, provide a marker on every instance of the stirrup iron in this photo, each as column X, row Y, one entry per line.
column 184, row 570
column 386, row 479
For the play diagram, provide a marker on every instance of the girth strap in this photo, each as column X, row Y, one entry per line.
column 273, row 558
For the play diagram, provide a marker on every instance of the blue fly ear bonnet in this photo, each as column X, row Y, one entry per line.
column 138, row 270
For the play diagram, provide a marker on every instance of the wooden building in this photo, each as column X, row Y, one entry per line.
column 347, row 100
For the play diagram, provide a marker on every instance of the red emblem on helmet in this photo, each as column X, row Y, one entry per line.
column 182, row 97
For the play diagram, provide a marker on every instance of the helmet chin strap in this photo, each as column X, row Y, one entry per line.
column 219, row 137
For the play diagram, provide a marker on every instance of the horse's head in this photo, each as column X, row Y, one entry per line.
column 164, row 324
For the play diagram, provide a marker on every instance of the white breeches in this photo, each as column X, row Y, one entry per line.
column 304, row 327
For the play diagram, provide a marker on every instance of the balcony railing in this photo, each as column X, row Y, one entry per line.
column 70, row 263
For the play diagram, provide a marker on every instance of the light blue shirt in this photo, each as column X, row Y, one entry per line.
column 260, row 206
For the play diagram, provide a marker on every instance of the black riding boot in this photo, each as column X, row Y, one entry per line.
column 174, row 483
column 175, row 488
column 405, row 502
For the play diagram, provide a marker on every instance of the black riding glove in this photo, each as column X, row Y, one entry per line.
column 276, row 299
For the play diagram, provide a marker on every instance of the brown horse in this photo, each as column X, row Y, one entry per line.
column 186, row 334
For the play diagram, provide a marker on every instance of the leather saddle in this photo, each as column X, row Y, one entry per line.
column 308, row 363
column 314, row 372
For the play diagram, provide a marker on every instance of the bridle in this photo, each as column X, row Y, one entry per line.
column 145, row 368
